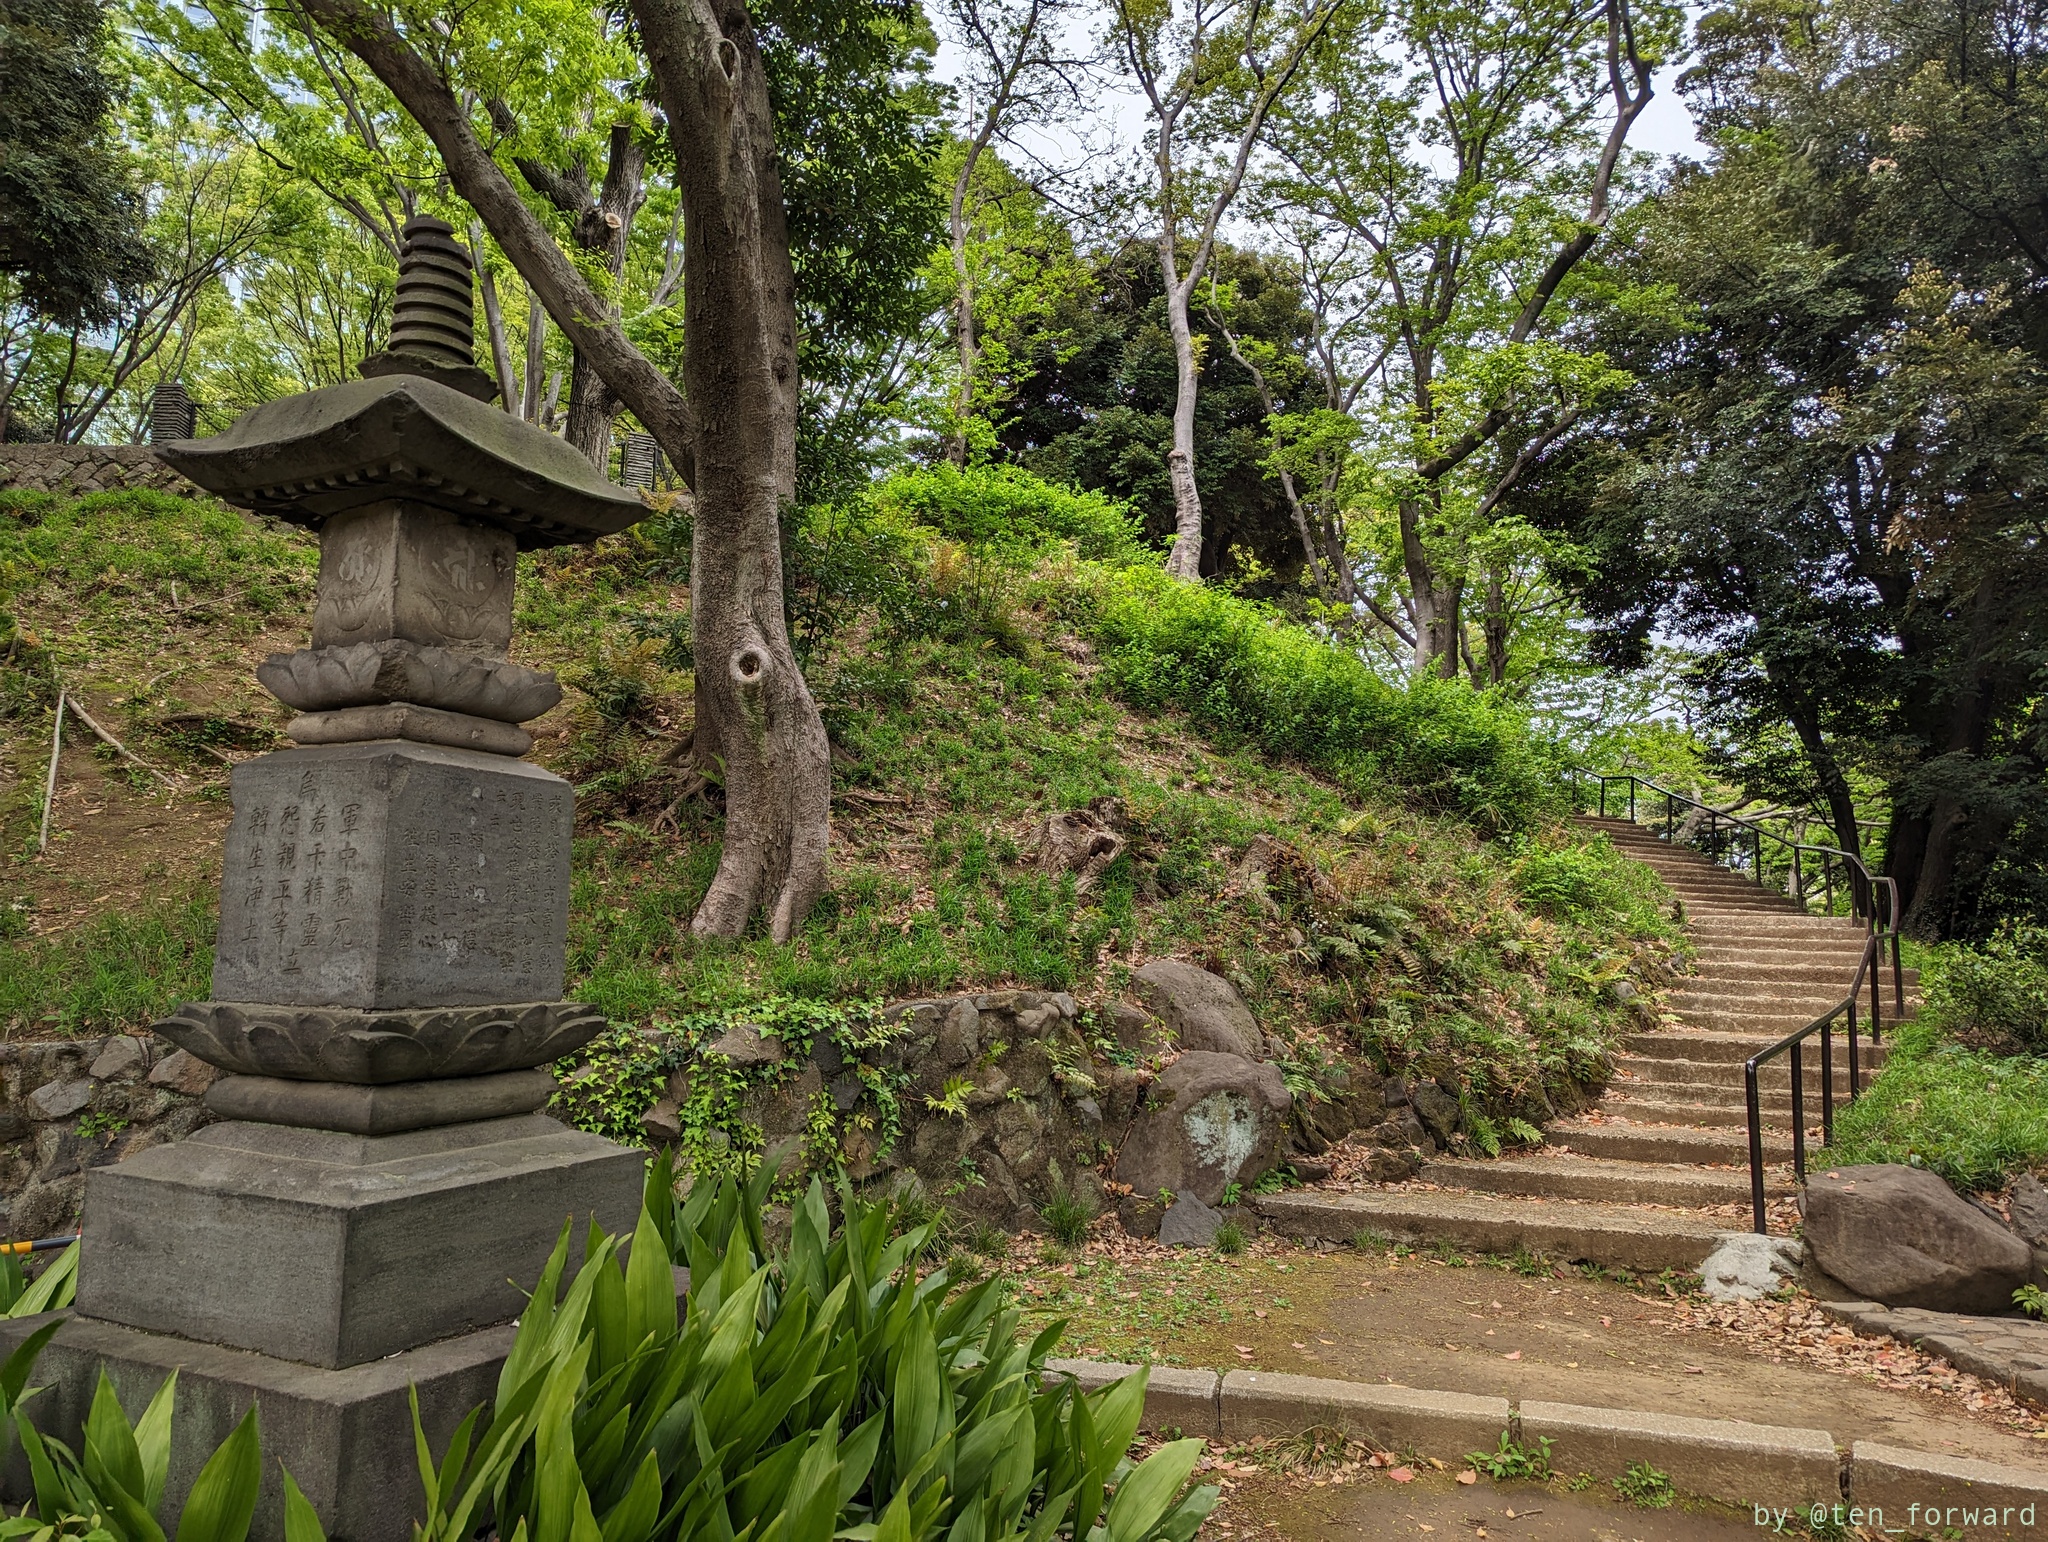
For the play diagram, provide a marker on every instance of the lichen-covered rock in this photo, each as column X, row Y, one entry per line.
column 1901, row 1236
column 1202, row 1010
column 1746, row 1267
column 1213, row 1120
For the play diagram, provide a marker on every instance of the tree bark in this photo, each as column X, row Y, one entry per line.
column 739, row 456
column 740, row 368
column 1185, row 560
column 494, row 322
column 1438, row 599
column 600, row 223
column 963, row 302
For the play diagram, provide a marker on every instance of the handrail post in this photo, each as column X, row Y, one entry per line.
column 1603, row 797
column 1827, row 1082
column 1854, row 1075
column 1798, row 1113
column 1631, row 797
column 1756, row 1147
column 1873, row 953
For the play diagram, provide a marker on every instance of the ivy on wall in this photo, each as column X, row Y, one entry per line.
column 609, row 1086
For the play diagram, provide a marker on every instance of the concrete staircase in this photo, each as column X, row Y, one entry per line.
column 1660, row 1167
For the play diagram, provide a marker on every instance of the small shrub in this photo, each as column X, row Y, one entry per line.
column 1511, row 1462
column 1995, row 992
column 1067, row 1217
column 1645, row 1486
column 1007, row 510
column 2032, row 1300
column 1366, row 1240
column 1229, row 1239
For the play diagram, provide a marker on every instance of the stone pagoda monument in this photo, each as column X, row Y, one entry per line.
column 387, row 990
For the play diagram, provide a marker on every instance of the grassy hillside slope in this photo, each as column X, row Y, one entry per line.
column 988, row 651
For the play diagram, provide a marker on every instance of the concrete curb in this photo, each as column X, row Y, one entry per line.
column 1258, row 1403
column 1762, row 1466
column 1755, row 1464
column 1893, row 1488
column 1174, row 1399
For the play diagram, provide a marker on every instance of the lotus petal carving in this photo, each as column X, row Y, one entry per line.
column 369, row 674
column 326, row 1044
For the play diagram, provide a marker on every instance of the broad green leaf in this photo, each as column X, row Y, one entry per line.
column 650, row 1285
column 301, row 1521
column 1144, row 1497
column 223, row 1498
column 153, row 1442
column 57, row 1288
column 632, row 1518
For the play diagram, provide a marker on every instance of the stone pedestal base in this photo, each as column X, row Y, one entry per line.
column 345, row 1435
column 334, row 1249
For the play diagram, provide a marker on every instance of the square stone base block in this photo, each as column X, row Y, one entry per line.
column 334, row 1249
column 345, row 1435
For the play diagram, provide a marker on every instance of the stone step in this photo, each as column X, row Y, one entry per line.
column 1561, row 1175
column 1727, row 991
column 1624, row 1140
column 1767, row 969
column 1682, row 1111
column 1790, row 928
column 1768, row 1026
column 1570, row 1231
column 1774, row 1103
column 1779, row 953
column 1773, row 1075
column 1704, row 1045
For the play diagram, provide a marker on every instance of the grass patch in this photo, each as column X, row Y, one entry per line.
column 987, row 651
column 114, row 973
column 1961, row 1093
column 1973, row 1116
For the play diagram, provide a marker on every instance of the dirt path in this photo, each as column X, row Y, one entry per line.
column 1479, row 1328
column 1436, row 1508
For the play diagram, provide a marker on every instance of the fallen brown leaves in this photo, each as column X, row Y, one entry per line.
column 1797, row 1329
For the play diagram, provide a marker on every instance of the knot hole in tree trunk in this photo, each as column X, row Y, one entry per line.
column 729, row 57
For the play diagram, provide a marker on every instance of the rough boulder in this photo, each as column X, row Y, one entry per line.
column 1900, row 1236
column 1203, row 1010
column 1212, row 1120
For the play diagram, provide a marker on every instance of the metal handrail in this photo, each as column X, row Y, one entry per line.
column 1792, row 1044
column 1873, row 900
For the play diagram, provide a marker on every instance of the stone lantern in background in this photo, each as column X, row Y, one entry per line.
column 388, row 981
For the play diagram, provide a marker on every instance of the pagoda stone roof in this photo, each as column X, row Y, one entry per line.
column 309, row 457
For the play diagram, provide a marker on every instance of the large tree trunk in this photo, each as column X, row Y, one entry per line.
column 1438, row 601
column 734, row 437
column 963, row 311
column 1929, row 903
column 1185, row 560
column 741, row 377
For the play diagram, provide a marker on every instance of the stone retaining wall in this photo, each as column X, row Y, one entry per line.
column 73, row 1104
column 86, row 468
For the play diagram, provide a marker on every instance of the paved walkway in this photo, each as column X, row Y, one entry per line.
column 2011, row 1352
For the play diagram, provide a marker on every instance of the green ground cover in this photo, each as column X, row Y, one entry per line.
column 988, row 650
column 1965, row 1091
